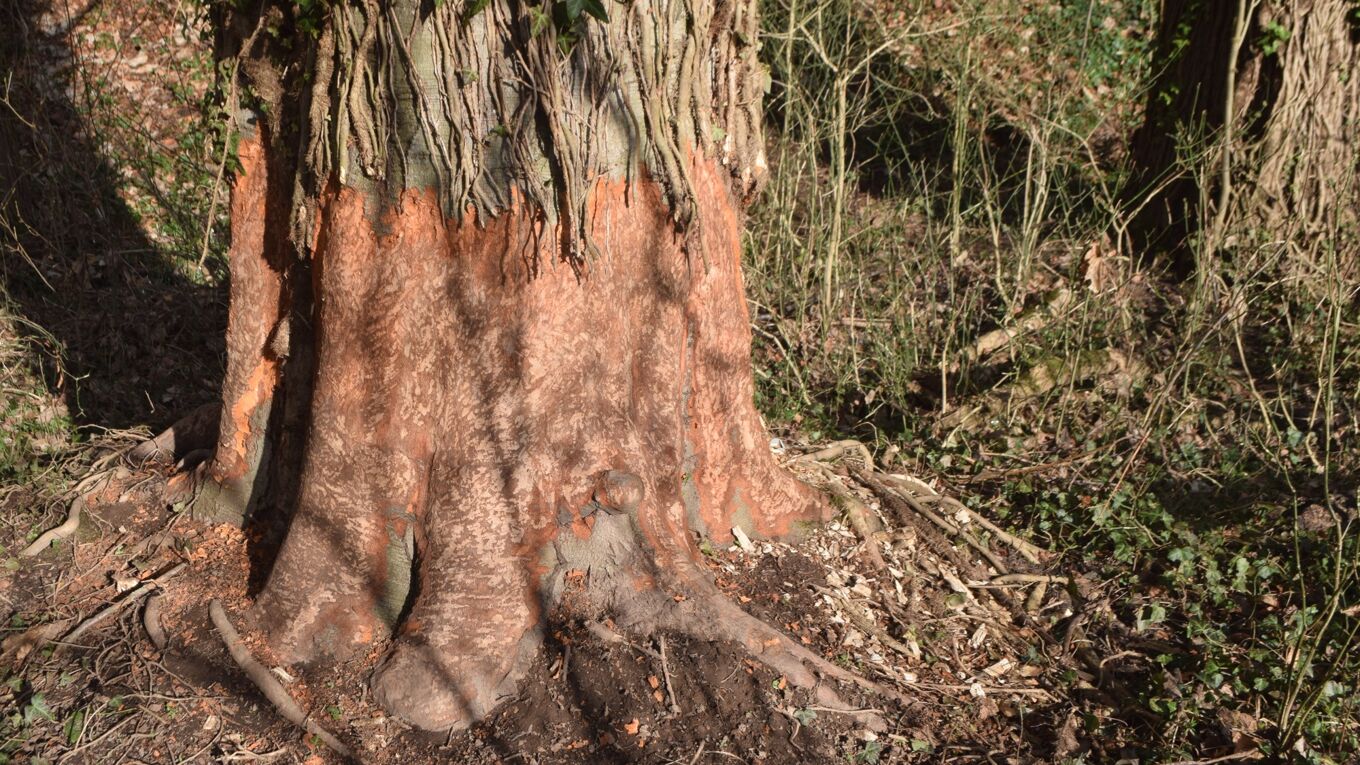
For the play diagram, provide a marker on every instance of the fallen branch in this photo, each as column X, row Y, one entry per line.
column 1029, row 551
column 911, row 490
column 886, row 490
column 272, row 689
column 132, row 596
column 1029, row 579
column 1225, row 758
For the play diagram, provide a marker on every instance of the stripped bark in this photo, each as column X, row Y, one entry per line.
column 488, row 332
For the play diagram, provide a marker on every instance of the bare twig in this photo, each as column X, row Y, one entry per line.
column 666, row 674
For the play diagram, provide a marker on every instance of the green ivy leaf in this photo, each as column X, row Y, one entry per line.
column 473, row 8
column 75, row 725
column 595, row 8
column 1150, row 615
column 870, row 754
column 37, row 708
column 538, row 20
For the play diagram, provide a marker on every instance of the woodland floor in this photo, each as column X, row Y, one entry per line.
column 143, row 336
column 978, row 691
column 111, row 320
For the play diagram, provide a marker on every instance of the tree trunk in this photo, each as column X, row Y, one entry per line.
column 488, row 341
column 1284, row 167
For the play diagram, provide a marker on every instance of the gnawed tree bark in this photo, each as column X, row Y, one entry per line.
column 1287, row 73
column 488, row 339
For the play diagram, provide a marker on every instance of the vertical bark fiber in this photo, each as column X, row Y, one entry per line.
column 257, row 259
column 1308, row 151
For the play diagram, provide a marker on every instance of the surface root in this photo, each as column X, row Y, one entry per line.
column 272, row 689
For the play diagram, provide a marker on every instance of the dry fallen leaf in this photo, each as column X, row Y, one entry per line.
column 16, row 648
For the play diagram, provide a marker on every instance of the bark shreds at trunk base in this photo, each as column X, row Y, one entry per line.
column 925, row 617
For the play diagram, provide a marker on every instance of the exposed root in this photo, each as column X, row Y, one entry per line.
column 151, row 620
column 837, row 449
column 607, row 635
column 67, row 529
column 863, row 519
column 1035, row 601
column 193, row 432
column 772, row 647
column 16, row 648
column 268, row 685
column 704, row 612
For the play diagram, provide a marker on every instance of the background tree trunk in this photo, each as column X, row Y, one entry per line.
column 488, row 336
column 1290, row 80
